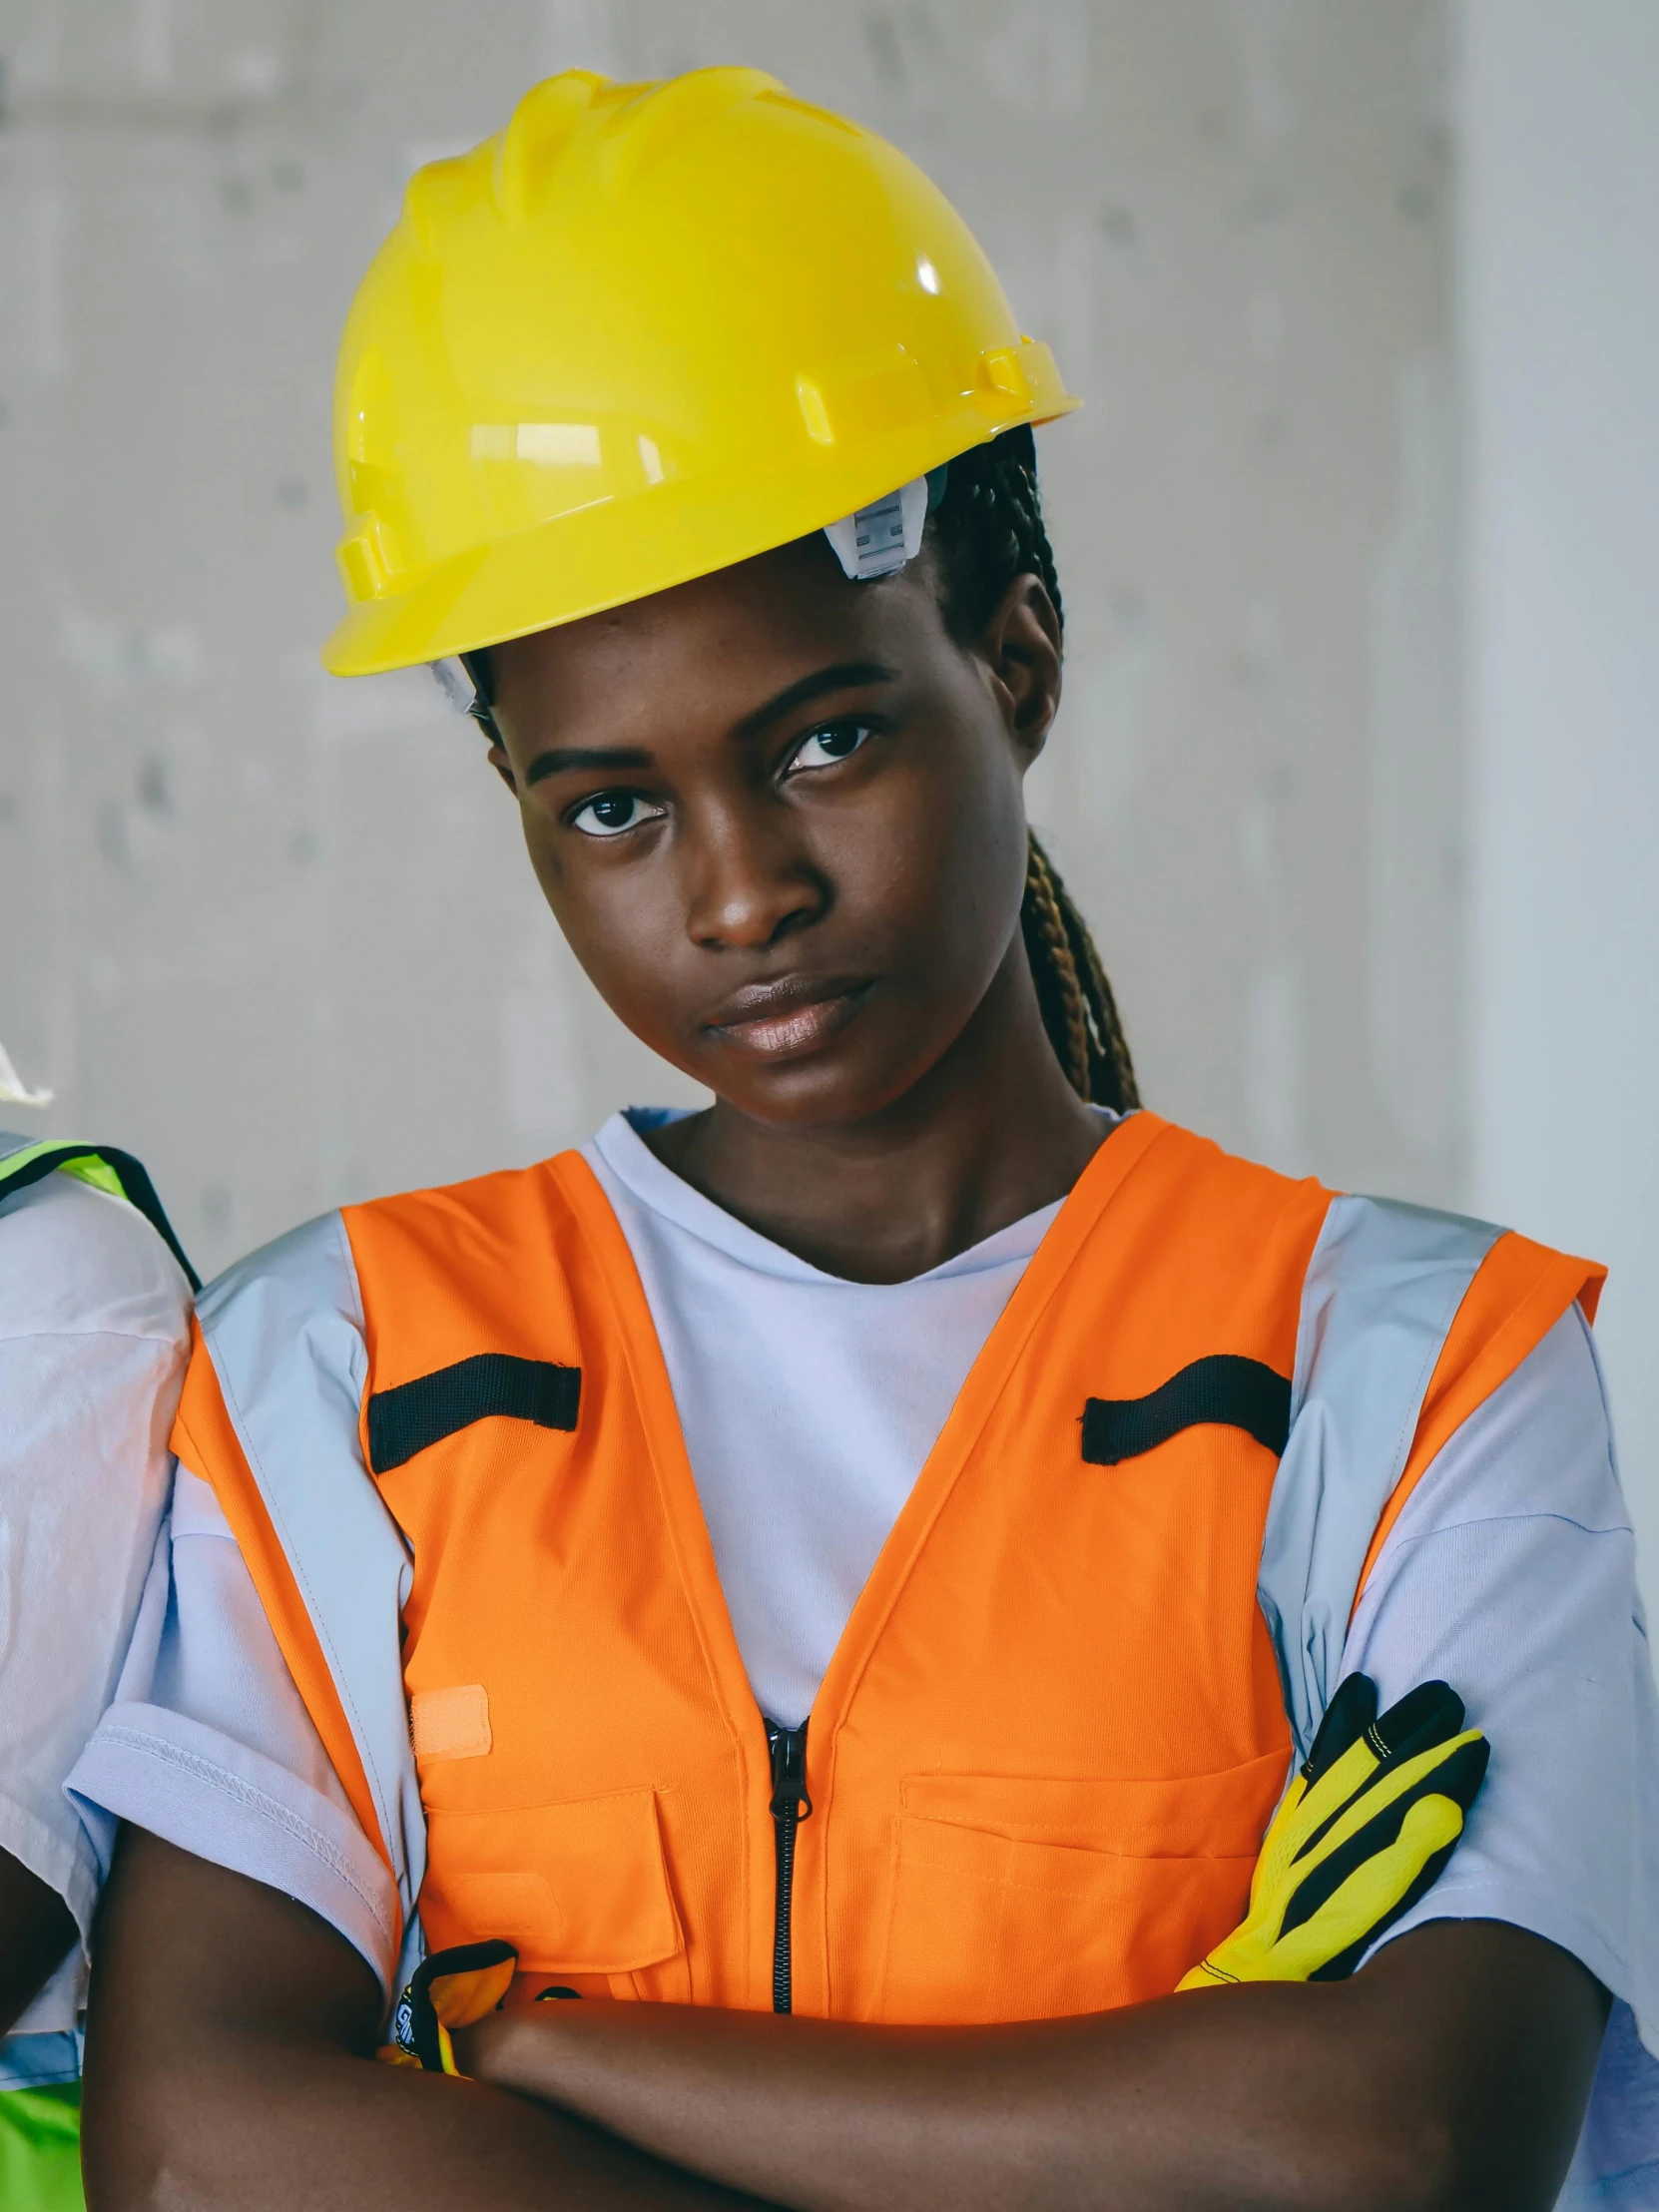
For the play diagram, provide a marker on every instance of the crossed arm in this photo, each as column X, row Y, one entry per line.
column 230, row 2058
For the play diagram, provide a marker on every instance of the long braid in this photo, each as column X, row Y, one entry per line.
column 988, row 530
column 1111, row 1071
column 1054, row 968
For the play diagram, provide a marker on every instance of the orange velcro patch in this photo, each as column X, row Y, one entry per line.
column 450, row 1724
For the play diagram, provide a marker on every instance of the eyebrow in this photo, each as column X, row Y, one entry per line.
column 561, row 757
column 844, row 676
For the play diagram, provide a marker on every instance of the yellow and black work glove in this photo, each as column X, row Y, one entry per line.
column 1363, row 1832
column 450, row 1988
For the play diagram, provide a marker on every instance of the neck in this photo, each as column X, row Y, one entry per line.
column 992, row 1131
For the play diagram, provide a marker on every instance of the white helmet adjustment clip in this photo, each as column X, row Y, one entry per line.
column 454, row 683
column 884, row 535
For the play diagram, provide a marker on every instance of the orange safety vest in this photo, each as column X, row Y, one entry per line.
column 1060, row 1715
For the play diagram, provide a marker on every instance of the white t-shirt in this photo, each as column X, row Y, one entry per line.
column 803, row 1464
column 94, row 1333
column 809, row 1405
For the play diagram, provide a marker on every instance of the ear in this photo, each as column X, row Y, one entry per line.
column 503, row 768
column 1020, row 648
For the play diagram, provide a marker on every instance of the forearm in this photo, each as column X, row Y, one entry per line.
column 1275, row 2096
column 828, row 2117
column 230, row 2062
column 262, row 2125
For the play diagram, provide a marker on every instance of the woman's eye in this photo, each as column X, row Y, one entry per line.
column 837, row 741
column 612, row 813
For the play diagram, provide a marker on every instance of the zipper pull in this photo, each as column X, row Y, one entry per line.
column 788, row 1771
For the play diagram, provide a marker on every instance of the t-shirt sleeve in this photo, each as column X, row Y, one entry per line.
column 209, row 1746
column 1512, row 1574
column 93, row 1337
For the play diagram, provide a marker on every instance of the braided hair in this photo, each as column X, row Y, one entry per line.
column 987, row 530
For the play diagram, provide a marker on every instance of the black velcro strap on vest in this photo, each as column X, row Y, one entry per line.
column 406, row 1421
column 1226, row 1388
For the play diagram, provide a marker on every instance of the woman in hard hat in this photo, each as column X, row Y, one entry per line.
column 875, row 1550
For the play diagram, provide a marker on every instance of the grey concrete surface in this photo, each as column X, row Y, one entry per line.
column 1560, row 319
column 274, row 932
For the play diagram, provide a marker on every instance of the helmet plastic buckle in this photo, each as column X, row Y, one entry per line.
column 882, row 537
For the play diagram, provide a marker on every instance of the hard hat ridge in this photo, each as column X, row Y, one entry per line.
column 542, row 127
column 659, row 117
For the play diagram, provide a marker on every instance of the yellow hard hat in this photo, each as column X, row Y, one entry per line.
column 646, row 332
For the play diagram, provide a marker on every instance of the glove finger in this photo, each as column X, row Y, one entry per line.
column 1371, row 1897
column 1278, row 1845
column 1455, row 1775
column 1348, row 1716
column 1330, row 1797
column 450, row 1988
column 1428, row 1716
column 1433, row 1713
column 1339, row 1764
column 471, row 1981
column 1345, row 1962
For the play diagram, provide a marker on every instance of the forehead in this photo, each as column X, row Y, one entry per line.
column 717, row 646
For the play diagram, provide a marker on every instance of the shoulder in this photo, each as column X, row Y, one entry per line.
column 1185, row 1187
column 465, row 1241
column 505, row 1206
column 75, row 1261
column 1373, row 1265
column 1540, row 1446
column 1183, row 1153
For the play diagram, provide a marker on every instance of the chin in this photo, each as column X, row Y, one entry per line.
column 817, row 1090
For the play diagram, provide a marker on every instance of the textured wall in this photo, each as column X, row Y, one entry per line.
column 273, row 931
column 1561, row 324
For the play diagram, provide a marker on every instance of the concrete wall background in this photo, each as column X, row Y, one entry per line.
column 273, row 932
column 1560, row 235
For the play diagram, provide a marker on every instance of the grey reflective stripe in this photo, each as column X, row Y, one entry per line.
column 10, row 1144
column 1381, row 1290
column 285, row 1329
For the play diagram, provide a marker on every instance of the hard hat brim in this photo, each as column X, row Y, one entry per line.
column 621, row 549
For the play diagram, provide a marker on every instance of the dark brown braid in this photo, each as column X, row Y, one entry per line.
column 988, row 530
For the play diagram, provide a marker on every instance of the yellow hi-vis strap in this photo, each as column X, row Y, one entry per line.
column 106, row 1168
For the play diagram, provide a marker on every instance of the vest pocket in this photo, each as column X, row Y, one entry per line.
column 581, row 1890
column 1037, row 1897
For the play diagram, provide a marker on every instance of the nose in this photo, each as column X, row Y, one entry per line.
column 749, row 883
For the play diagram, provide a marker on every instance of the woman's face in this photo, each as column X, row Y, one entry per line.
column 779, row 817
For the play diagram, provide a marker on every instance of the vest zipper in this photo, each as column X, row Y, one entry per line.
column 790, row 1806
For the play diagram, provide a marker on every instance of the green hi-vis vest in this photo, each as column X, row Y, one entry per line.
column 40, row 2149
column 101, row 1165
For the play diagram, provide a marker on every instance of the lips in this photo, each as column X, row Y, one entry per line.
column 795, row 1014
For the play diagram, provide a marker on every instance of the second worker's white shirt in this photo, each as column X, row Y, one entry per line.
column 94, row 1333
